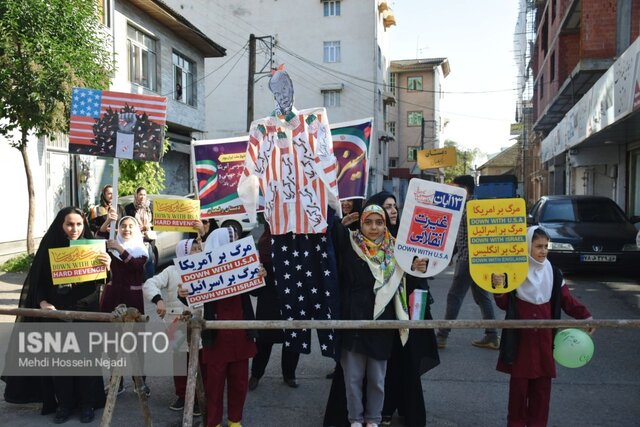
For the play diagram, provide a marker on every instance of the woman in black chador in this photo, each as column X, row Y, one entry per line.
column 60, row 394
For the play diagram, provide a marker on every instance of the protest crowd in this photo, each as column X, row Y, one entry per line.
column 323, row 255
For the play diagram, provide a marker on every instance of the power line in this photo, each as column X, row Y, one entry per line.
column 324, row 69
column 228, row 72
column 280, row 46
column 211, row 72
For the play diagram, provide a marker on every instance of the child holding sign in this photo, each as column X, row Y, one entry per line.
column 226, row 353
column 370, row 283
column 59, row 394
column 162, row 290
column 527, row 354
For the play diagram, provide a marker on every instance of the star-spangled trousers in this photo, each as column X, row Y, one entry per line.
column 306, row 279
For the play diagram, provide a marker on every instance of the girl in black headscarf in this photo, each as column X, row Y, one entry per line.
column 59, row 394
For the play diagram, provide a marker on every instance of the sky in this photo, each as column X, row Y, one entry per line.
column 477, row 39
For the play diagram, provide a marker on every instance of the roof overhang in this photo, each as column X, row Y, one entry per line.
column 180, row 26
column 582, row 78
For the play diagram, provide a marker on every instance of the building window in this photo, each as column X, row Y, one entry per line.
column 332, row 51
column 392, row 82
column 331, row 8
column 414, row 83
column 552, row 66
column 412, row 153
column 379, row 100
column 391, row 128
column 379, row 57
column 104, row 12
column 541, row 86
column 414, row 118
column 393, row 163
column 142, row 58
column 331, row 98
column 184, row 79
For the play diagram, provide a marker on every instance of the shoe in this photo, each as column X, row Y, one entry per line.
column 62, row 415
column 178, row 404
column 234, row 424
column 442, row 341
column 291, row 382
column 145, row 389
column 488, row 341
column 356, row 424
column 386, row 421
column 87, row 415
column 196, row 409
column 253, row 383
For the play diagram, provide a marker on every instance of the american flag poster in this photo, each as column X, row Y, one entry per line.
column 117, row 124
column 351, row 142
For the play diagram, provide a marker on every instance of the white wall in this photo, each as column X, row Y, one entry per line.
column 177, row 112
column 13, row 191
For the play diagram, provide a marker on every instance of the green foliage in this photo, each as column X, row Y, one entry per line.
column 465, row 161
column 138, row 173
column 18, row 263
column 46, row 48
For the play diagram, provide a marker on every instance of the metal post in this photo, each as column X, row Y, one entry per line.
column 250, row 77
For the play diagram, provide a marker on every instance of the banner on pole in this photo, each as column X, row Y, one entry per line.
column 76, row 264
column 117, row 124
column 175, row 214
column 498, row 250
column 429, row 225
column 351, row 142
column 221, row 273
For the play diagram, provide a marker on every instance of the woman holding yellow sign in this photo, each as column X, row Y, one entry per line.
column 60, row 394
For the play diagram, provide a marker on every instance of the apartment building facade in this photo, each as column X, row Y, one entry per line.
column 156, row 51
column 335, row 52
column 585, row 73
column 414, row 118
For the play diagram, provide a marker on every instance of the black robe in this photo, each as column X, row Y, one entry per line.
column 39, row 286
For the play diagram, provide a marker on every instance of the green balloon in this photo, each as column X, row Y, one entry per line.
column 572, row 348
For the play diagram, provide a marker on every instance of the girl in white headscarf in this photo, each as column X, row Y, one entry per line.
column 128, row 255
column 162, row 290
column 527, row 354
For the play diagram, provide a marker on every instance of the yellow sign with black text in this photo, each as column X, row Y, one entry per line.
column 436, row 158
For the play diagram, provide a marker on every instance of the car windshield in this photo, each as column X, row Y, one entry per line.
column 578, row 210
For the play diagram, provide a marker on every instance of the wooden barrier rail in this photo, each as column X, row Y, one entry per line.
column 196, row 325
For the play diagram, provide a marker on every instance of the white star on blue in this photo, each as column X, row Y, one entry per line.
column 86, row 102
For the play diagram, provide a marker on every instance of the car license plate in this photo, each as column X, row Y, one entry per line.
column 597, row 258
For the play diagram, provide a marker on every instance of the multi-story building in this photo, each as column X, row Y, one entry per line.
column 416, row 122
column 335, row 52
column 585, row 72
column 157, row 51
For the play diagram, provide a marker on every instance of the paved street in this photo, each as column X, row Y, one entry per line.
column 465, row 390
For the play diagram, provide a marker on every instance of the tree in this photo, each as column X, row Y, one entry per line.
column 46, row 48
column 465, row 161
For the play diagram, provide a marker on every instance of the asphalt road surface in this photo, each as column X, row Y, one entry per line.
column 465, row 390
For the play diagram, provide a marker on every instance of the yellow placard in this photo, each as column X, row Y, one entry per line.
column 436, row 158
column 232, row 157
column 175, row 214
column 77, row 264
column 497, row 237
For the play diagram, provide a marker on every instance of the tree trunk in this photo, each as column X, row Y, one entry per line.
column 31, row 246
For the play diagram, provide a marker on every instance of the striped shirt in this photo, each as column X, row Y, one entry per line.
column 291, row 162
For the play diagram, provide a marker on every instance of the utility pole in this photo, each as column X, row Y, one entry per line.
column 266, row 47
column 252, row 72
column 421, row 145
